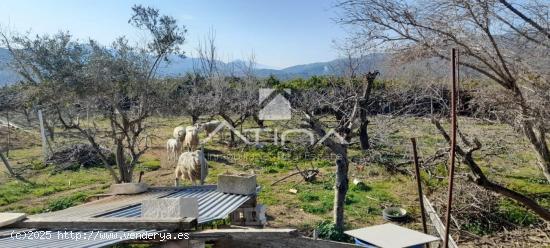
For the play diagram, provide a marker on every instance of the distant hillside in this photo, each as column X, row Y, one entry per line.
column 179, row 66
column 7, row 75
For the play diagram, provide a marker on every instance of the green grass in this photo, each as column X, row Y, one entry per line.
column 514, row 167
column 67, row 202
column 46, row 184
column 149, row 165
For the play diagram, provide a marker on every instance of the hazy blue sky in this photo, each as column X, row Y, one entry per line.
column 281, row 33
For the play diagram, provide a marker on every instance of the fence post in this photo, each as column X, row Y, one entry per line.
column 43, row 136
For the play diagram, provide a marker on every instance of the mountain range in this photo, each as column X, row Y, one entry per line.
column 178, row 66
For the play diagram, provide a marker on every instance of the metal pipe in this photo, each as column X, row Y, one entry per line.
column 419, row 185
column 453, row 146
column 140, row 175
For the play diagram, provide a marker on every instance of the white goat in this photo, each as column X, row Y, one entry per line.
column 179, row 133
column 192, row 166
column 191, row 140
column 172, row 147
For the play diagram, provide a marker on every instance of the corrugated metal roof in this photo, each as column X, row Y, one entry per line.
column 86, row 239
column 212, row 204
column 101, row 206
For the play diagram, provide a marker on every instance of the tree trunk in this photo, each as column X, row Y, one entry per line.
column 27, row 116
column 537, row 138
column 7, row 165
column 480, row 179
column 258, row 121
column 194, row 119
column 232, row 123
column 125, row 177
column 51, row 130
column 340, row 188
column 363, row 104
column 364, row 135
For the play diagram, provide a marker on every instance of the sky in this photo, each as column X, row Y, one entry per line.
column 280, row 33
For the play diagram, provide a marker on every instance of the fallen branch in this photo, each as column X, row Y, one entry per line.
column 311, row 172
column 480, row 179
column 11, row 172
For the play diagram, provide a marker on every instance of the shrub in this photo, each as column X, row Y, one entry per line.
column 360, row 187
column 307, row 197
column 327, row 230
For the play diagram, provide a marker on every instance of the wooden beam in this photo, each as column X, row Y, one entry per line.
column 436, row 221
column 175, row 224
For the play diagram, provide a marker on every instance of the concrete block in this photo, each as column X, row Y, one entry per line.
column 242, row 184
column 10, row 218
column 128, row 188
column 249, row 216
column 170, row 208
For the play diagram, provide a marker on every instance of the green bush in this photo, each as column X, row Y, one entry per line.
column 350, row 199
column 308, row 197
column 327, row 230
column 37, row 165
column 271, row 170
column 516, row 214
column 360, row 187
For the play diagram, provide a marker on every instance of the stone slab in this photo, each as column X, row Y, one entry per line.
column 170, row 208
column 243, row 184
column 128, row 188
column 10, row 218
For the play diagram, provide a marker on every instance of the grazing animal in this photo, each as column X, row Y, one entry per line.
column 172, row 147
column 192, row 166
column 179, row 133
column 191, row 140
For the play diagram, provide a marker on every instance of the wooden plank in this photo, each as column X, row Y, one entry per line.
column 437, row 223
column 175, row 224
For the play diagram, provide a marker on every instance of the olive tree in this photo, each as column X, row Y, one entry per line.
column 116, row 82
column 499, row 40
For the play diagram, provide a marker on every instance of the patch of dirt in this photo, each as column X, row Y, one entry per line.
column 18, row 138
column 280, row 216
column 524, row 237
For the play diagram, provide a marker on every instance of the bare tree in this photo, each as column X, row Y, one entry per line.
column 117, row 82
column 208, row 55
column 481, row 179
column 342, row 99
column 494, row 41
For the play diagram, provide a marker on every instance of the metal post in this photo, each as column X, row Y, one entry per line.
column 453, row 146
column 9, row 134
column 140, row 176
column 43, row 136
column 419, row 185
column 204, row 167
